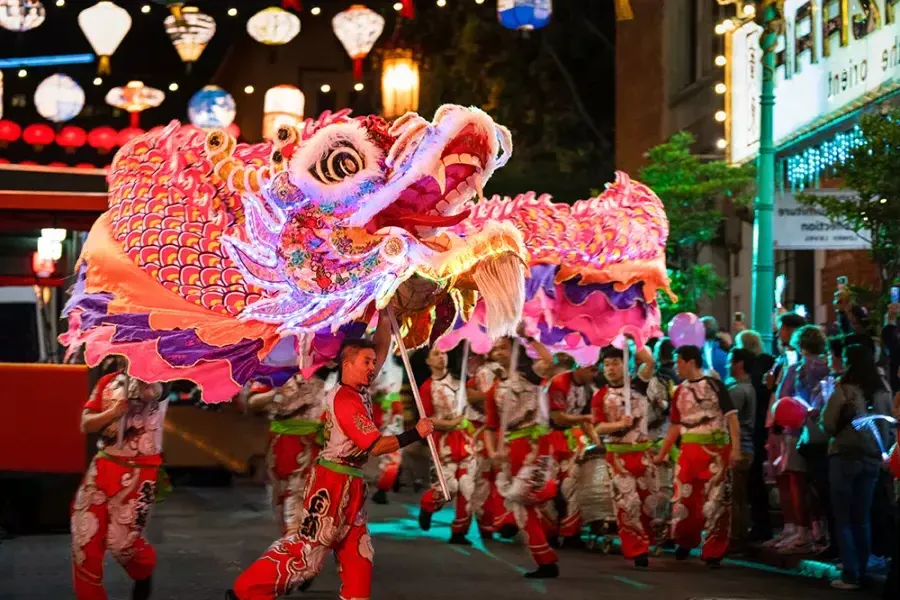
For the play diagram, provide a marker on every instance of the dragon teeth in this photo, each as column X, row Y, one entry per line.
column 479, row 185
column 441, row 177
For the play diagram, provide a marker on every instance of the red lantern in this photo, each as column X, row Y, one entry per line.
column 42, row 267
column 38, row 135
column 408, row 11
column 292, row 5
column 233, row 130
column 128, row 134
column 103, row 139
column 9, row 132
column 71, row 137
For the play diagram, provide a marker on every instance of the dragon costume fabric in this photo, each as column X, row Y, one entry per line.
column 595, row 268
column 212, row 252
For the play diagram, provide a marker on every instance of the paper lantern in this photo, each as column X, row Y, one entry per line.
column 38, row 135
column 21, row 15
column 59, row 98
column 357, row 28
column 212, row 108
column 42, row 267
column 273, row 26
column 9, row 132
column 525, row 15
column 102, row 139
column 191, row 34
column 128, row 134
column 283, row 105
column 399, row 83
column 71, row 137
column 135, row 98
column 104, row 25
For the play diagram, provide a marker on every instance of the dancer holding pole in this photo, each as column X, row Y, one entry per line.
column 334, row 517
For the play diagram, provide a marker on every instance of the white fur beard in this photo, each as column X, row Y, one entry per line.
column 501, row 282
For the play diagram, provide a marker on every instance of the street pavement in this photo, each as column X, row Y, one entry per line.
column 205, row 536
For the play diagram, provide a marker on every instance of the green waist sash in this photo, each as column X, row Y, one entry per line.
column 534, row 432
column 673, row 451
column 628, row 448
column 716, row 438
column 299, row 427
column 387, row 400
column 341, row 468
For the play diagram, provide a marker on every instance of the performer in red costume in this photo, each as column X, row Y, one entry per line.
column 440, row 398
column 295, row 410
column 526, row 479
column 387, row 409
column 629, row 450
column 112, row 505
column 334, row 517
column 484, row 498
column 569, row 394
column 703, row 416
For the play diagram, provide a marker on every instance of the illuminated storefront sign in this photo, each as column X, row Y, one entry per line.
column 834, row 56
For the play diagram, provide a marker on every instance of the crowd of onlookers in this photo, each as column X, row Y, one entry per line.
column 811, row 411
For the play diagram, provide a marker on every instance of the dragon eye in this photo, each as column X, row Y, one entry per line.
column 340, row 163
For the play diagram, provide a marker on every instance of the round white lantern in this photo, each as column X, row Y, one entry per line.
column 104, row 25
column 273, row 26
column 59, row 98
column 21, row 15
column 283, row 105
column 357, row 28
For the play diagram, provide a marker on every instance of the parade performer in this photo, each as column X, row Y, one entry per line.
column 629, row 450
column 112, row 505
column 440, row 398
column 387, row 408
column 570, row 417
column 703, row 416
column 295, row 409
column 517, row 429
column 484, row 493
column 334, row 517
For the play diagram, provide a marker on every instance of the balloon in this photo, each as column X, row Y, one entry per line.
column 686, row 329
column 893, row 461
column 790, row 412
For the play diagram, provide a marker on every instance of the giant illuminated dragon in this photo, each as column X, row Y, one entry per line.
column 212, row 251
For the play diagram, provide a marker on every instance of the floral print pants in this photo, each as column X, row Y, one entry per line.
column 455, row 451
column 291, row 458
column 110, row 511
column 702, row 499
column 636, row 498
column 334, row 519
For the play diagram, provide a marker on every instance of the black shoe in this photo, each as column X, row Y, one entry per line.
column 553, row 542
column 550, row 571
column 424, row 520
column 142, row 589
column 642, row 561
column 306, row 585
column 486, row 536
column 573, row 542
column 380, row 497
column 508, row 531
column 682, row 554
column 714, row 563
column 230, row 595
column 460, row 539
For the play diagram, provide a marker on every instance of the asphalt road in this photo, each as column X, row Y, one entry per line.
column 205, row 536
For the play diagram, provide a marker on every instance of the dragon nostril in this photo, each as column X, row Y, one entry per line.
column 277, row 157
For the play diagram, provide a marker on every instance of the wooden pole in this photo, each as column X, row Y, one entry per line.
column 415, row 392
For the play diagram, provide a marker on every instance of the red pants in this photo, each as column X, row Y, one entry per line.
column 636, row 498
column 525, row 488
column 702, row 499
column 455, row 450
column 558, row 445
column 334, row 518
column 388, row 470
column 291, row 458
column 110, row 511
column 485, row 500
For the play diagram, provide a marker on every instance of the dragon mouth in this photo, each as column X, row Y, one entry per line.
column 439, row 200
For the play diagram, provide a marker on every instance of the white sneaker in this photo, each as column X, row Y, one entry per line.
column 840, row 584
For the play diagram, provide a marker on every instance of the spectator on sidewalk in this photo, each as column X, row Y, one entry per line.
column 743, row 397
column 715, row 354
column 855, row 458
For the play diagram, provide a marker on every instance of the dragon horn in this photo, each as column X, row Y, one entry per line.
column 239, row 177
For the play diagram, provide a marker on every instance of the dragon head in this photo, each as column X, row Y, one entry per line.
column 350, row 209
